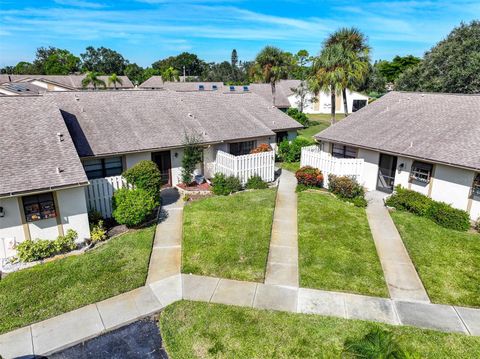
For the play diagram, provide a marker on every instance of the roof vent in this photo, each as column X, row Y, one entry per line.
column 201, row 87
column 214, row 87
column 245, row 88
column 60, row 137
column 59, row 170
column 232, row 88
column 190, row 115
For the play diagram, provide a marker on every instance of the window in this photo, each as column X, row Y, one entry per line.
column 104, row 167
column 242, row 148
column 281, row 136
column 476, row 186
column 341, row 151
column 201, row 87
column 358, row 104
column 39, row 207
column 421, row 171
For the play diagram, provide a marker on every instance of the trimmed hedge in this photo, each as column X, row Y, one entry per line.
column 440, row 212
column 132, row 207
column 292, row 151
column 145, row 175
column 348, row 189
column 256, row 182
column 223, row 186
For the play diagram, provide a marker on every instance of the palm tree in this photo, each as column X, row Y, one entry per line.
column 170, row 74
column 354, row 43
column 92, row 78
column 114, row 79
column 329, row 74
column 271, row 65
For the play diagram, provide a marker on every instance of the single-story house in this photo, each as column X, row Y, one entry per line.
column 427, row 142
column 63, row 82
column 54, row 145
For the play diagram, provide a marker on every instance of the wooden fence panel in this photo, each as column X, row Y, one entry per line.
column 246, row 166
column 100, row 192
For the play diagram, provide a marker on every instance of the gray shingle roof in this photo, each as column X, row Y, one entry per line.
column 110, row 122
column 70, row 81
column 31, row 151
column 437, row 127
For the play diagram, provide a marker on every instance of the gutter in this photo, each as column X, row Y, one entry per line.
column 42, row 190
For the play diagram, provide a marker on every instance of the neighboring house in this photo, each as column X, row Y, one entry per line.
column 41, row 178
column 427, row 142
column 54, row 144
column 20, row 88
column 322, row 103
column 62, row 82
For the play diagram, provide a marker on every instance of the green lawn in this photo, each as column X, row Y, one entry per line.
column 323, row 123
column 229, row 236
column 49, row 289
column 201, row 330
column 336, row 248
column 447, row 261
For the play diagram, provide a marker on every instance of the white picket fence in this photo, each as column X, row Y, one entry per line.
column 313, row 156
column 100, row 192
column 246, row 166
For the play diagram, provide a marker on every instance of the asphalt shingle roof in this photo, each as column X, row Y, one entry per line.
column 442, row 128
column 70, row 81
column 31, row 151
column 109, row 122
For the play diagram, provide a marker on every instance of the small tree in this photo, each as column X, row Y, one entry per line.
column 192, row 155
column 145, row 175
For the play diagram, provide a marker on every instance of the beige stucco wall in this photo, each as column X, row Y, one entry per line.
column 133, row 158
column 73, row 211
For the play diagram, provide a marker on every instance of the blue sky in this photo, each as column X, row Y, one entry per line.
column 147, row 30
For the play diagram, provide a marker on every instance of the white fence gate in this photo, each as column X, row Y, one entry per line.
column 246, row 166
column 313, row 156
column 100, row 192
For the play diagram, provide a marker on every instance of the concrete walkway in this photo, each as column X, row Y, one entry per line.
column 282, row 265
column 71, row 328
column 402, row 279
column 166, row 257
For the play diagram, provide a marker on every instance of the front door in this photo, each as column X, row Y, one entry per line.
column 387, row 166
column 163, row 161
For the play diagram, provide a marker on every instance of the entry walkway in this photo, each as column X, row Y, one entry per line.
column 402, row 279
column 166, row 257
column 282, row 265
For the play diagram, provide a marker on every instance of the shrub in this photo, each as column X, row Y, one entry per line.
column 132, row 206
column 348, row 189
column 407, row 200
column 477, row 224
column 223, row 186
column 264, row 147
column 146, row 176
column 291, row 151
column 34, row 250
column 192, row 155
column 441, row 213
column 94, row 217
column 256, row 182
column 298, row 116
column 448, row 217
column 309, row 177
column 98, row 232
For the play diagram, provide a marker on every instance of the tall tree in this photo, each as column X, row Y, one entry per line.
column 453, row 65
column 135, row 73
column 93, row 79
column 391, row 70
column 234, row 58
column 170, row 74
column 55, row 61
column 329, row 74
column 190, row 62
column 24, row 68
column 114, row 79
column 356, row 53
column 271, row 65
column 103, row 60
column 302, row 59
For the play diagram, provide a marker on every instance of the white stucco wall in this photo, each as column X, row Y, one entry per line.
column 48, row 86
column 176, row 165
column 452, row 185
column 323, row 102
column 132, row 159
column 73, row 211
column 475, row 209
column 370, row 172
column 43, row 229
column 10, row 226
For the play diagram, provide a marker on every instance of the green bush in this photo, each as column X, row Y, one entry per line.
column 145, row 175
column 223, row 186
column 256, row 182
column 448, row 217
column 94, row 217
column 408, row 200
column 132, row 207
column 477, row 224
column 298, row 116
column 309, row 177
column 98, row 232
column 348, row 189
column 291, row 151
column 441, row 213
column 34, row 250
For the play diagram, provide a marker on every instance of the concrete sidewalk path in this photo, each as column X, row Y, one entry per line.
column 166, row 257
column 282, row 264
column 402, row 279
column 66, row 330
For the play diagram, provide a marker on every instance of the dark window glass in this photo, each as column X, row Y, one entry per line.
column 38, row 207
column 476, row 186
column 104, row 167
column 358, row 104
column 201, row 87
column 281, row 136
column 341, row 151
column 421, row 171
column 242, row 148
